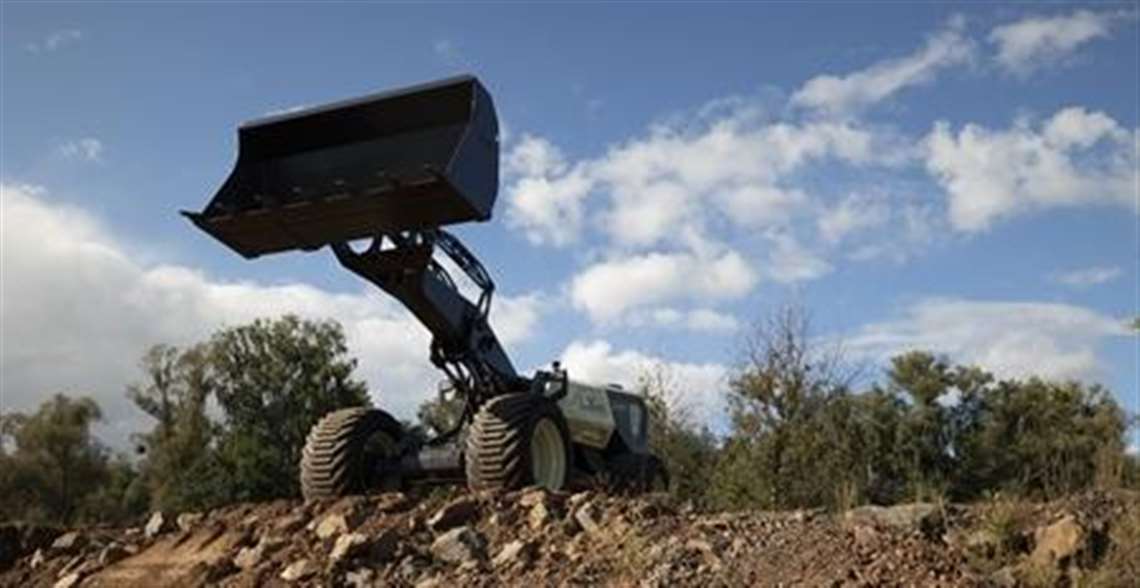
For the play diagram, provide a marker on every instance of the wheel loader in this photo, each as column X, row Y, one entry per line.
column 376, row 179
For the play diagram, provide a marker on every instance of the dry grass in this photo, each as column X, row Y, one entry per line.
column 1121, row 565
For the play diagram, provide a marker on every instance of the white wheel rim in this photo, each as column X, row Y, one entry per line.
column 547, row 455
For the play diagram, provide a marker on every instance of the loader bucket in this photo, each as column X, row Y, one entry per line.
column 413, row 158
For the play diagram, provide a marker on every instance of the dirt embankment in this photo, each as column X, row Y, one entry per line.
column 537, row 538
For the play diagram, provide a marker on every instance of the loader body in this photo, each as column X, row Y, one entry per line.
column 394, row 169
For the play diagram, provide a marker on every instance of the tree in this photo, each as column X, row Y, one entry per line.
column 269, row 380
column 273, row 379
column 55, row 464
column 1045, row 439
column 777, row 450
column 181, row 470
column 687, row 451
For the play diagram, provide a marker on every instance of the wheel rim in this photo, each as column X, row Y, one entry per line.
column 547, row 455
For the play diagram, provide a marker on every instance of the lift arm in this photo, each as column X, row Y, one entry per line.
column 463, row 344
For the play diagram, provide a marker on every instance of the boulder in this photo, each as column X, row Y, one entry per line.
column 348, row 545
column 540, row 515
column 457, row 512
column 188, row 520
column 920, row 516
column 534, row 496
column 298, row 570
column 1059, row 542
column 112, row 553
column 291, row 523
column 383, row 545
column 156, row 525
column 69, row 581
column 331, row 526
column 69, row 542
column 247, row 558
column 360, row 578
column 392, row 502
column 38, row 559
column 459, row 545
column 587, row 517
column 515, row 554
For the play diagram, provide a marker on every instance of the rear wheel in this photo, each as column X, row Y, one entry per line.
column 345, row 450
column 518, row 440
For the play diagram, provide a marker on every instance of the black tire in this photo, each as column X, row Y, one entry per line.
column 342, row 449
column 498, row 448
column 635, row 474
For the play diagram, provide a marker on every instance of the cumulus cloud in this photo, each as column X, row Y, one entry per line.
column 546, row 200
column 1038, row 41
column 1013, row 339
column 851, row 93
column 607, row 290
column 78, row 312
column 729, row 166
column 699, row 387
column 85, row 149
column 1085, row 277
column 55, row 41
column 857, row 212
column 789, row 261
column 698, row 319
column 1076, row 157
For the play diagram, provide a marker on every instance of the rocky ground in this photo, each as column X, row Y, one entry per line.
column 538, row 538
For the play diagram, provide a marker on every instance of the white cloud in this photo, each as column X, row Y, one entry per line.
column 1089, row 276
column 1013, row 339
column 78, row 312
column 789, row 261
column 1039, row 41
column 845, row 95
column 546, row 200
column 729, row 166
column 607, row 290
column 699, row 387
column 85, row 149
column 447, row 51
column 856, row 212
column 699, row 319
column 1076, row 157
column 55, row 40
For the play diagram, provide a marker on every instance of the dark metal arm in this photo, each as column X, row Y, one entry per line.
column 463, row 344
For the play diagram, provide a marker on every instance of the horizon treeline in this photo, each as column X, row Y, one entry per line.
column 231, row 414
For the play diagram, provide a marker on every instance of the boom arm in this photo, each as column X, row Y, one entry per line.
column 463, row 344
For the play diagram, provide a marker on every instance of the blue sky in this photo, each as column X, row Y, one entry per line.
column 959, row 178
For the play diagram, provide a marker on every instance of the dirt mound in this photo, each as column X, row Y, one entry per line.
column 542, row 538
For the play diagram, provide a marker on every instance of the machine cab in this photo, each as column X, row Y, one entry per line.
column 631, row 419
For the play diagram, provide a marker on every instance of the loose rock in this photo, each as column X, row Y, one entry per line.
column 68, row 543
column 157, row 524
column 459, row 545
column 455, row 513
column 188, row 520
column 516, row 553
column 348, row 545
column 298, row 570
column 1058, row 542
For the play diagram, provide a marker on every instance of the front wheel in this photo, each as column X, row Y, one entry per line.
column 518, row 440
column 344, row 452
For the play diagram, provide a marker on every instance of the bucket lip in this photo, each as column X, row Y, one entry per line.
column 311, row 110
